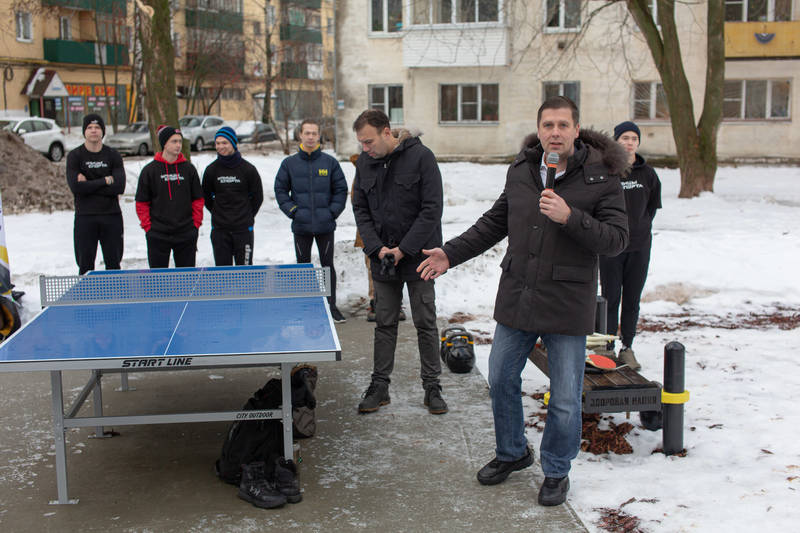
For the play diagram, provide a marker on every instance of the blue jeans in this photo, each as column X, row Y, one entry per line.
column 566, row 359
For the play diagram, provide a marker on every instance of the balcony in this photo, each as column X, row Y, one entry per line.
column 85, row 52
column 762, row 39
column 215, row 20
column 294, row 70
column 311, row 4
column 114, row 7
column 290, row 32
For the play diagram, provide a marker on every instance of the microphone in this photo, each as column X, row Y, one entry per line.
column 552, row 163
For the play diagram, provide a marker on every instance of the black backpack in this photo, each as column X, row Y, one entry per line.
column 262, row 440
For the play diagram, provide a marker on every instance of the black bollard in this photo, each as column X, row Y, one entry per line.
column 673, row 397
column 601, row 315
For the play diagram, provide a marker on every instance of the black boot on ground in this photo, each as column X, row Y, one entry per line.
column 286, row 479
column 256, row 489
column 434, row 401
column 553, row 491
column 376, row 395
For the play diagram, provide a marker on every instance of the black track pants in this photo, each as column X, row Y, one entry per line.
column 91, row 229
column 622, row 278
column 302, row 249
column 232, row 246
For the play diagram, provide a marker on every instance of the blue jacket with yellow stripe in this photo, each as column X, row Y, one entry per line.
column 311, row 190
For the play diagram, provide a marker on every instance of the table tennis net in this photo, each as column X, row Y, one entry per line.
column 181, row 285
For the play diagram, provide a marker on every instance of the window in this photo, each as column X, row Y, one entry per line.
column 256, row 27
column 329, row 26
column 649, row 101
column 570, row 89
column 756, row 99
column 313, row 53
column 389, row 99
column 24, row 26
column 563, row 14
column 176, row 43
column 469, row 103
column 452, row 11
column 758, row 10
column 387, row 15
column 65, row 29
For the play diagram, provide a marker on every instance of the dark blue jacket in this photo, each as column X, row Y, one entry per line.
column 311, row 190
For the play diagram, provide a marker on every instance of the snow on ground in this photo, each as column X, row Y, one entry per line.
column 719, row 256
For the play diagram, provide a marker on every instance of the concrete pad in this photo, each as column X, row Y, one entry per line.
column 399, row 469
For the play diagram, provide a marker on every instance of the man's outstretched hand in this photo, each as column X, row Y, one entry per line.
column 435, row 265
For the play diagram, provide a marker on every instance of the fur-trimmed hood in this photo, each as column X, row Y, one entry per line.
column 613, row 154
column 406, row 133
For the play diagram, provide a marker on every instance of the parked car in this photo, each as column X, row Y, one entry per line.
column 250, row 131
column 41, row 134
column 200, row 129
column 132, row 139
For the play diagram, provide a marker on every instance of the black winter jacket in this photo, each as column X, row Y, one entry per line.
column 232, row 195
column 549, row 279
column 311, row 190
column 397, row 201
column 642, row 198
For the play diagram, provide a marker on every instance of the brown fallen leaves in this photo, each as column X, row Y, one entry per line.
column 599, row 441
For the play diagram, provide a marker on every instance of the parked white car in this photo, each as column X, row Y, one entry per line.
column 200, row 129
column 41, row 134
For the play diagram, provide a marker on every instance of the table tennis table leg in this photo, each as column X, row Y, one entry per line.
column 286, row 412
column 97, row 400
column 60, row 438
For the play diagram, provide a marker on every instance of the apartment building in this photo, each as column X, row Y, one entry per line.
column 471, row 75
column 65, row 58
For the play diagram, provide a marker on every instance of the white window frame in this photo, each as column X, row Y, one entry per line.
column 653, row 99
column 561, row 85
column 386, row 108
column 743, row 14
column 385, row 20
column 65, row 28
column 562, row 13
column 409, row 14
column 24, row 24
column 768, row 102
column 479, row 113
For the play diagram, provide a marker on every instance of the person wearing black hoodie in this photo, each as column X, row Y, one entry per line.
column 96, row 177
column 622, row 277
column 169, row 203
column 233, row 195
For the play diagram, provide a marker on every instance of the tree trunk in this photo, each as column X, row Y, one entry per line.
column 158, row 63
column 696, row 145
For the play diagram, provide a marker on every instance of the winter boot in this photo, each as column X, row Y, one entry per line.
column 434, row 401
column 377, row 394
column 626, row 356
column 255, row 488
column 286, row 480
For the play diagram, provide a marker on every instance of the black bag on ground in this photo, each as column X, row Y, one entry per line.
column 248, row 441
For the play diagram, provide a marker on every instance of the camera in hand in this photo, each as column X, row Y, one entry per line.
column 387, row 265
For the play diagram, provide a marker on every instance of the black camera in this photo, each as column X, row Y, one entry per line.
column 387, row 266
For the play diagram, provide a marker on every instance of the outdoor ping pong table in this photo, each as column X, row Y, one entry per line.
column 172, row 319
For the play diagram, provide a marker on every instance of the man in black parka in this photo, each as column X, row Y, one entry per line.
column 397, row 202
column 548, row 287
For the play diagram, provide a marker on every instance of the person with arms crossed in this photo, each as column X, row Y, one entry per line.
column 96, row 177
column 548, row 285
column 233, row 195
column 169, row 203
column 397, row 201
column 622, row 277
column 311, row 189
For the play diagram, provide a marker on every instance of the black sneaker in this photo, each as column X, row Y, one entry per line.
column 434, row 401
column 496, row 471
column 554, row 491
column 256, row 489
column 376, row 395
column 286, row 480
column 337, row 315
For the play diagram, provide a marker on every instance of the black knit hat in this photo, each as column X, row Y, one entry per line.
column 93, row 118
column 165, row 132
column 622, row 127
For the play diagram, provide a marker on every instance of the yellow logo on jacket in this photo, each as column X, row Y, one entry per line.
column 323, row 172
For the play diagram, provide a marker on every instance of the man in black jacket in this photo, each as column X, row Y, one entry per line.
column 233, row 194
column 397, row 201
column 548, row 286
column 96, row 177
column 622, row 277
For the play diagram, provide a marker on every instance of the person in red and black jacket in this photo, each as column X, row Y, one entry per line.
column 169, row 203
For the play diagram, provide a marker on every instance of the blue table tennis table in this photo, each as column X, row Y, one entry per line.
column 172, row 319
